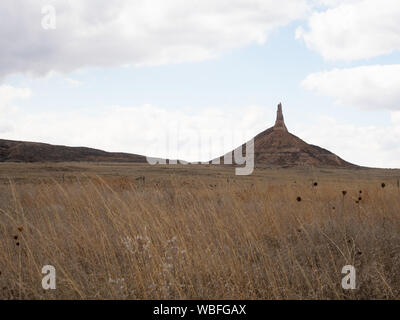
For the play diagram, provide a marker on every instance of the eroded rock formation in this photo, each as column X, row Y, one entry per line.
column 276, row 146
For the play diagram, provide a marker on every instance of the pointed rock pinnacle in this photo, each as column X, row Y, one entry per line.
column 280, row 122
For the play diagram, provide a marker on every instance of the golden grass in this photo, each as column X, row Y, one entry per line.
column 199, row 237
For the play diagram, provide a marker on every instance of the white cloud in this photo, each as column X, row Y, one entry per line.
column 141, row 32
column 73, row 82
column 354, row 30
column 9, row 94
column 367, row 87
column 332, row 3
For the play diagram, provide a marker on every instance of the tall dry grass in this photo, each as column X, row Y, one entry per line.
column 121, row 239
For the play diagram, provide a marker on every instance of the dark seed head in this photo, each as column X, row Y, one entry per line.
column 333, row 208
column 315, row 184
column 344, row 192
column 298, row 199
column 383, row 185
column 20, row 229
column 360, row 191
column 357, row 202
column 359, row 198
column 17, row 243
column 15, row 237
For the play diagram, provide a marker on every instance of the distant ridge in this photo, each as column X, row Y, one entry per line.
column 21, row 151
column 276, row 146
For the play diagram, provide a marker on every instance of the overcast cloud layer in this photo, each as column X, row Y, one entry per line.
column 140, row 32
column 152, row 32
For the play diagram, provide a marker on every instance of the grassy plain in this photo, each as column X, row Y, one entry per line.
column 135, row 231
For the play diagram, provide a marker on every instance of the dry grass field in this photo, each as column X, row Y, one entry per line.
column 131, row 231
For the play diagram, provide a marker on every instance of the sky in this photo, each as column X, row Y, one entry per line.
column 193, row 79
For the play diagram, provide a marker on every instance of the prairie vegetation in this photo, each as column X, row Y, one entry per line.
column 197, row 232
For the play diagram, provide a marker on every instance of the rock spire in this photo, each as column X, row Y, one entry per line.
column 280, row 122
